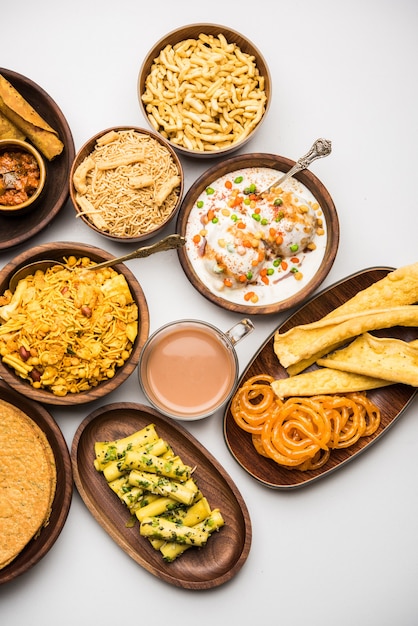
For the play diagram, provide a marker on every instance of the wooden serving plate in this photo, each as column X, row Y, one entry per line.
column 226, row 551
column 37, row 548
column 282, row 164
column 57, row 251
column 391, row 400
column 16, row 229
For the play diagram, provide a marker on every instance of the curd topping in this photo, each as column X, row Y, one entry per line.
column 242, row 243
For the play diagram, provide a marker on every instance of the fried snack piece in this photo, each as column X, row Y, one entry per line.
column 18, row 111
column 9, row 130
column 398, row 288
column 390, row 359
column 325, row 381
column 27, row 481
column 312, row 341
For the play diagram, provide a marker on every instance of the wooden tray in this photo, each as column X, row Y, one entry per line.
column 225, row 552
column 391, row 400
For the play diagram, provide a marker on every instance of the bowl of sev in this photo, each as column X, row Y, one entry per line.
column 126, row 183
column 206, row 88
column 70, row 334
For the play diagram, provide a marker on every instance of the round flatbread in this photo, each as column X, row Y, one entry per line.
column 27, row 481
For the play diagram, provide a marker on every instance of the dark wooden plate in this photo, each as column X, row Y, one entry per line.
column 15, row 230
column 37, row 548
column 391, row 400
column 225, row 552
column 58, row 250
column 281, row 164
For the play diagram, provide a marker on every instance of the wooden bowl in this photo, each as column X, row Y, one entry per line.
column 12, row 146
column 58, row 251
column 286, row 293
column 38, row 547
column 192, row 32
column 14, row 232
column 89, row 147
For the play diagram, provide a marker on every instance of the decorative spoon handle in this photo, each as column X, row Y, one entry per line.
column 168, row 243
column 320, row 148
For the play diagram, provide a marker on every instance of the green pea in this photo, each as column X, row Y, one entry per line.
column 256, row 217
column 278, row 202
column 250, row 189
column 270, row 271
column 210, row 191
column 199, row 204
column 294, row 247
column 215, row 220
column 238, row 179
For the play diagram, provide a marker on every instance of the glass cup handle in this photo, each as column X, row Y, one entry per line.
column 239, row 331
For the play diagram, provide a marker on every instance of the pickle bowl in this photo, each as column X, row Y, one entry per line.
column 22, row 176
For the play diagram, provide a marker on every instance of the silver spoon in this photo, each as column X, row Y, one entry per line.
column 168, row 243
column 320, row 148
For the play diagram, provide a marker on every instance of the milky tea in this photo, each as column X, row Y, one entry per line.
column 188, row 369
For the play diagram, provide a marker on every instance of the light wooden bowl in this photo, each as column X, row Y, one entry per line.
column 88, row 148
column 193, row 31
column 57, row 251
column 24, row 147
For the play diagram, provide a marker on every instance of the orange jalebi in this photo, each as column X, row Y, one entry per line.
column 299, row 433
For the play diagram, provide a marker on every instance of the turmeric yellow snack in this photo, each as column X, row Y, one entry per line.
column 69, row 328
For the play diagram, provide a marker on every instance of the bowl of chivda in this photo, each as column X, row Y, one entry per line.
column 205, row 88
column 70, row 333
column 22, row 176
column 126, row 183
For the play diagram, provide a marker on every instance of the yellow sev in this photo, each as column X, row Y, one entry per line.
column 67, row 329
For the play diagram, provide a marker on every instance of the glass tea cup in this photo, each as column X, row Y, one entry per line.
column 189, row 368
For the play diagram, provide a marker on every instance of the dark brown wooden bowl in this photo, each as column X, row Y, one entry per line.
column 88, row 148
column 192, row 31
column 282, row 164
column 205, row 568
column 37, row 548
column 57, row 251
column 16, row 229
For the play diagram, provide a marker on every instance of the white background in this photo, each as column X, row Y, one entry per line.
column 344, row 550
